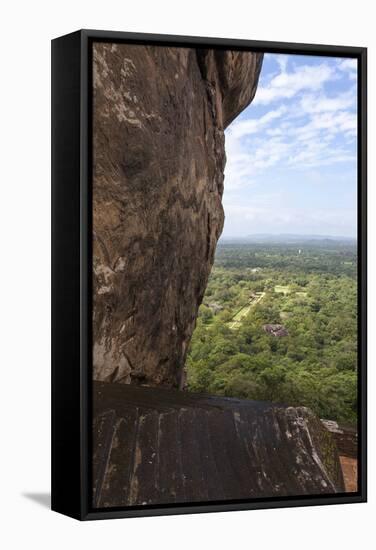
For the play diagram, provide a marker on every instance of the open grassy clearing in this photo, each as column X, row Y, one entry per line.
column 280, row 289
column 243, row 312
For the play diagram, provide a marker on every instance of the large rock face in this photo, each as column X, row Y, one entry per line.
column 159, row 115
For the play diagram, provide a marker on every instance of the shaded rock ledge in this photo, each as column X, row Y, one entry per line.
column 158, row 446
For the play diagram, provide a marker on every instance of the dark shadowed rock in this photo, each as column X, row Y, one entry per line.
column 160, row 446
column 159, row 115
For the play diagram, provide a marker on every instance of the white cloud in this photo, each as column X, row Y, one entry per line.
column 282, row 61
column 247, row 160
column 310, row 126
column 335, row 123
column 302, row 130
column 253, row 125
column 311, row 103
column 301, row 144
column 349, row 66
column 286, row 85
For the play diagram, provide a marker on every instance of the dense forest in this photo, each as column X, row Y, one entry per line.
column 279, row 323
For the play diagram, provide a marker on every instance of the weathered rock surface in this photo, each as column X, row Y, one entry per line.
column 160, row 446
column 159, row 115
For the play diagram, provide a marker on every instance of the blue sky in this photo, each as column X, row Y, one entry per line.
column 291, row 155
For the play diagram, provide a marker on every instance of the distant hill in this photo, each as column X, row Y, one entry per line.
column 288, row 238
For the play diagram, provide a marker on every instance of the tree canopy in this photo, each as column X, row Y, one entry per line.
column 313, row 295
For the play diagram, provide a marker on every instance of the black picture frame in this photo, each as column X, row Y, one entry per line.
column 71, row 272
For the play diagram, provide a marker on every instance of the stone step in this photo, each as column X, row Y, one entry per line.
column 159, row 446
